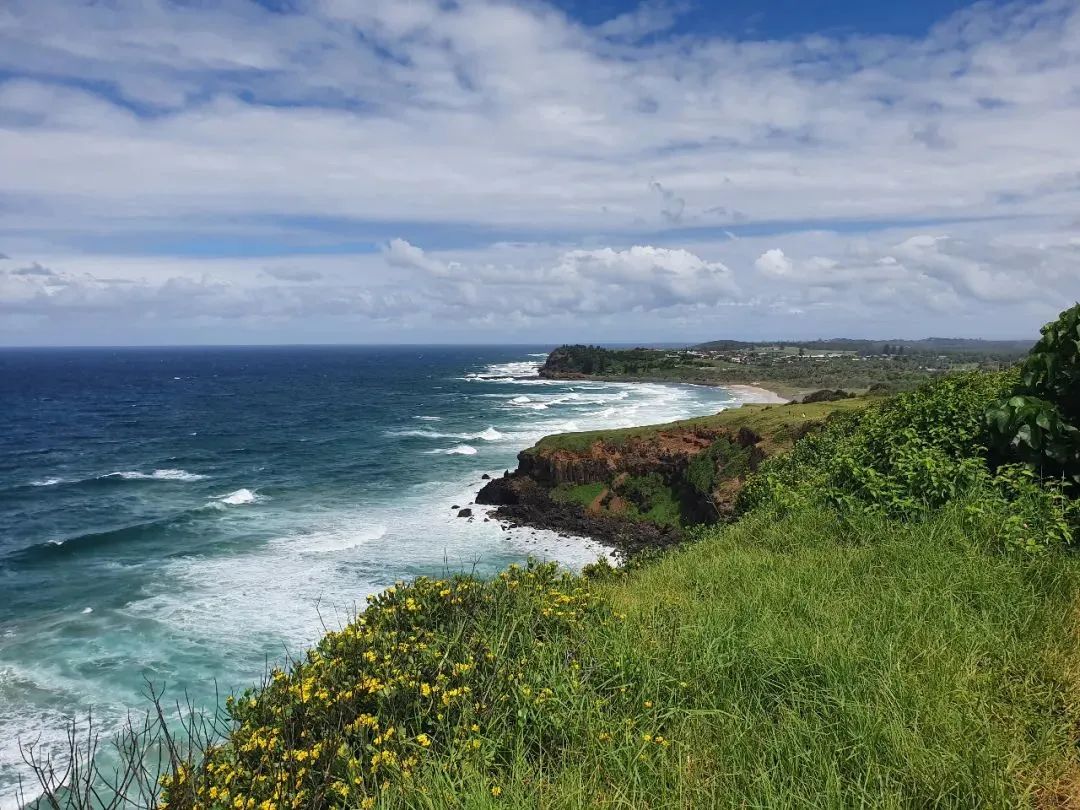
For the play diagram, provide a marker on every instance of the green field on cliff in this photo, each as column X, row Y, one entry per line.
column 778, row 422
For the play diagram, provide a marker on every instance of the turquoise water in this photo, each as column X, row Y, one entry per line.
column 186, row 515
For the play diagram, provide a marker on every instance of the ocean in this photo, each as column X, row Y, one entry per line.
column 184, row 516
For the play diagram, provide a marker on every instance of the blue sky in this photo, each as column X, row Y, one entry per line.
column 233, row 171
column 752, row 19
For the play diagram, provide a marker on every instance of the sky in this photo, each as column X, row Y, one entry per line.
column 535, row 171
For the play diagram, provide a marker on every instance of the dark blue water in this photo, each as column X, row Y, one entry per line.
column 184, row 515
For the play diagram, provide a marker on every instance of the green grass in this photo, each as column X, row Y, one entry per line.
column 652, row 500
column 583, row 494
column 778, row 422
column 804, row 662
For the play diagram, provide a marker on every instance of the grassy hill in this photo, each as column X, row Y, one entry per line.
column 778, row 422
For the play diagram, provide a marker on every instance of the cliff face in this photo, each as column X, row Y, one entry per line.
column 632, row 494
column 637, row 488
column 666, row 454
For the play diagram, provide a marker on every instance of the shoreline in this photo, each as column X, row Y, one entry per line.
column 762, row 396
column 516, row 500
column 767, row 393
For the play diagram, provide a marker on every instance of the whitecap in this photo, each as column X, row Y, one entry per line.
column 46, row 482
column 428, row 418
column 520, row 400
column 461, row 450
column 238, row 498
column 337, row 539
column 88, row 610
column 489, row 434
column 156, row 475
column 424, row 434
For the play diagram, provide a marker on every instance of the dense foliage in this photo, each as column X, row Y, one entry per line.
column 580, row 359
column 913, row 453
column 721, row 460
column 1040, row 423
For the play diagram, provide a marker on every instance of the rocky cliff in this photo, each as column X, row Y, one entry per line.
column 642, row 487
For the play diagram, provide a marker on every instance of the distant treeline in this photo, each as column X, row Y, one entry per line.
column 580, row 359
column 933, row 345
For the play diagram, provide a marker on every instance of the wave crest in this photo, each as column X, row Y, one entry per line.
column 239, row 497
column 156, row 475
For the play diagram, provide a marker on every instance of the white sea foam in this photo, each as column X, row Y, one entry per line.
column 429, row 418
column 505, row 372
column 239, row 497
column 520, row 400
column 488, row 434
column 334, row 539
column 157, row 475
column 461, row 450
column 47, row 482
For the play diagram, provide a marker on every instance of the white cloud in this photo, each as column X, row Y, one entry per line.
column 648, row 18
column 773, row 262
column 514, row 115
column 141, row 123
column 400, row 253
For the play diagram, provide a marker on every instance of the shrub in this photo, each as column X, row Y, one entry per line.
column 905, row 455
column 722, row 460
column 1032, row 515
column 1040, row 423
column 455, row 671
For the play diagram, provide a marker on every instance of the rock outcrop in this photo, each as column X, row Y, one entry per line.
column 528, row 496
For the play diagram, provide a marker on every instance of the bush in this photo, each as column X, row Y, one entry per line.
column 1031, row 514
column 457, row 672
column 1040, row 423
column 902, row 456
column 918, row 451
column 720, row 461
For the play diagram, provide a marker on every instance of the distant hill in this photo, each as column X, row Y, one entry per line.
column 931, row 345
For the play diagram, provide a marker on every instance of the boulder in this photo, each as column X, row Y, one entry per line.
column 498, row 492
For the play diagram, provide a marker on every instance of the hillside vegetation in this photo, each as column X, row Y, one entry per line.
column 891, row 623
column 674, row 475
column 790, row 369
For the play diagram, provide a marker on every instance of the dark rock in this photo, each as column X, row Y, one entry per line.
column 455, row 506
column 498, row 492
column 465, row 513
column 485, row 477
column 746, row 437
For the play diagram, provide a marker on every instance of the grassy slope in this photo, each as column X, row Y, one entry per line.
column 828, row 666
column 773, row 421
column 795, row 663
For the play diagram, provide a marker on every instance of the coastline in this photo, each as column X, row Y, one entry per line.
column 764, row 392
column 756, row 394
column 519, row 500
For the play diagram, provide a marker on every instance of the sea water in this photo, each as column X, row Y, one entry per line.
column 184, row 516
